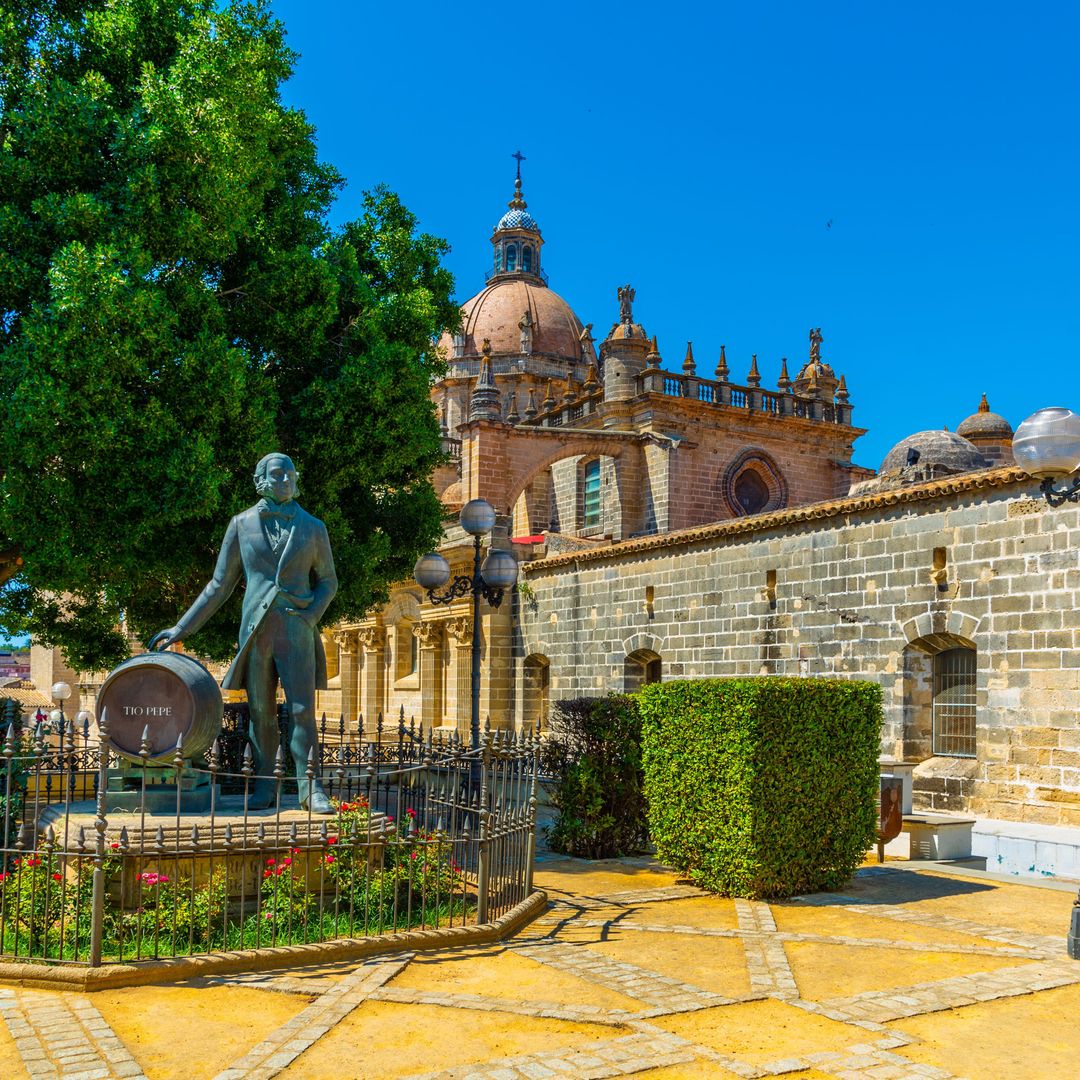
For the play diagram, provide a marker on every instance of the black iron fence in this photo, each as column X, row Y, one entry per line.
column 131, row 861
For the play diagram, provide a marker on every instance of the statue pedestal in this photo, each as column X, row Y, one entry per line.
column 124, row 790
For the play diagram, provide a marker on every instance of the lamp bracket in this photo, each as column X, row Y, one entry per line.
column 466, row 586
column 1058, row 496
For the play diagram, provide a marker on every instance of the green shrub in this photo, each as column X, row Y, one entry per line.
column 762, row 787
column 593, row 754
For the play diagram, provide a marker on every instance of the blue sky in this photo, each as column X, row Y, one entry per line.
column 700, row 153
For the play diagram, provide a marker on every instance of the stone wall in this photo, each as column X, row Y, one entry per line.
column 867, row 587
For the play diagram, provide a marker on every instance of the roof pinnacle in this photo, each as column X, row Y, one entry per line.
column 784, row 382
column 984, row 405
column 754, row 377
column 721, row 365
column 485, row 403
column 688, row 364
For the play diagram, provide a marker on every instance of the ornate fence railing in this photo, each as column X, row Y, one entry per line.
column 159, row 860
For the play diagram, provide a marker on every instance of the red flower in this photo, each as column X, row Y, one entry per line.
column 114, row 846
column 331, row 839
column 411, row 812
column 58, row 877
column 296, row 851
column 270, row 862
column 267, row 873
column 286, row 862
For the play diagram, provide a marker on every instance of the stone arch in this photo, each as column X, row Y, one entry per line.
column 402, row 605
column 937, row 630
column 758, row 466
column 565, row 448
column 643, row 642
column 643, row 661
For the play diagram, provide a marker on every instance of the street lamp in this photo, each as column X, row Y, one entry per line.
column 489, row 580
column 61, row 691
column 1047, row 446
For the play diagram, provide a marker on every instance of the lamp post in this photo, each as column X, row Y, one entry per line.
column 490, row 578
column 1047, row 446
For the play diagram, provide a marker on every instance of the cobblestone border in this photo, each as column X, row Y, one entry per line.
column 85, row 979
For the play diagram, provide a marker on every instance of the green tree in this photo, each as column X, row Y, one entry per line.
column 173, row 305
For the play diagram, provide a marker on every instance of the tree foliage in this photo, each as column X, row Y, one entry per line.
column 173, row 305
column 593, row 755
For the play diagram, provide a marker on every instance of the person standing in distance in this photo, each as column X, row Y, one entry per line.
column 283, row 554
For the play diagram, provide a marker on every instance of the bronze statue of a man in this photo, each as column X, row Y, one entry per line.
column 283, row 554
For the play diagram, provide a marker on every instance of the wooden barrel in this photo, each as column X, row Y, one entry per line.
column 168, row 693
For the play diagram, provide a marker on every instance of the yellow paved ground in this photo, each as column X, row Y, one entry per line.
column 629, row 972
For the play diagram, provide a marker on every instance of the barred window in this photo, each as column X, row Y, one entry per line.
column 591, row 496
column 954, row 703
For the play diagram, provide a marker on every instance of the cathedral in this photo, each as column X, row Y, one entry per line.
column 596, row 443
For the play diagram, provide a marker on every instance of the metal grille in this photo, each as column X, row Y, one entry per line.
column 954, row 703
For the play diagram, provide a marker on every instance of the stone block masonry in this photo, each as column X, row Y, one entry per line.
column 872, row 587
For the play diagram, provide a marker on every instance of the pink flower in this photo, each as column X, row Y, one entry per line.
column 270, row 862
column 286, row 862
column 329, row 859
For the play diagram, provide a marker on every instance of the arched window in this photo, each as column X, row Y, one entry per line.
column 406, row 650
column 537, row 687
column 954, row 702
column 526, row 259
column 498, row 260
column 591, row 511
column 511, row 258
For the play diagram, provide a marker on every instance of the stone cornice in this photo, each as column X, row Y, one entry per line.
column 933, row 489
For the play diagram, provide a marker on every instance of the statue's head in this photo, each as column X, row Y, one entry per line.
column 276, row 478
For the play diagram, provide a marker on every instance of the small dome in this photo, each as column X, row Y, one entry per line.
column 627, row 331
column 941, row 452
column 517, row 219
column 985, row 424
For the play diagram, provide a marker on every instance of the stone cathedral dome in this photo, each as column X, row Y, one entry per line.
column 496, row 315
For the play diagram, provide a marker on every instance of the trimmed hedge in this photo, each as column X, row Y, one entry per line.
column 763, row 787
column 593, row 755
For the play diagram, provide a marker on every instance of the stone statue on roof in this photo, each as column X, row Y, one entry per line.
column 626, row 301
column 526, row 328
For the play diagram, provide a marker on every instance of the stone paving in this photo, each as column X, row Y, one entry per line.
column 628, row 972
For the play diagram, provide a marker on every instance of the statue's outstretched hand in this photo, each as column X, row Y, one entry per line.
column 163, row 639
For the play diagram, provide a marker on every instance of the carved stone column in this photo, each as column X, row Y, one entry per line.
column 350, row 688
column 460, row 631
column 372, row 643
column 430, row 637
